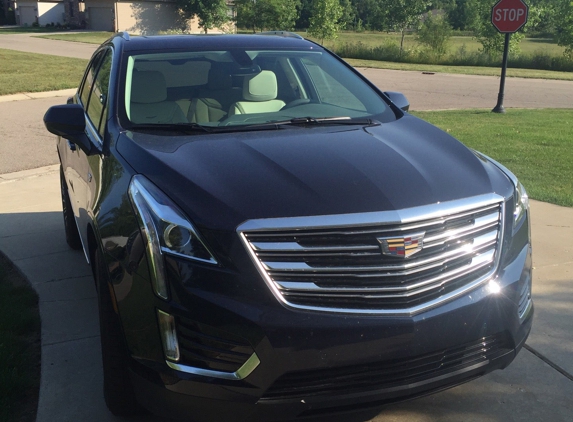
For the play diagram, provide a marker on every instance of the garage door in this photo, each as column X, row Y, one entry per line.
column 27, row 15
column 101, row 18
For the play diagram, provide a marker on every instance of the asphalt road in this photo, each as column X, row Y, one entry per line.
column 25, row 144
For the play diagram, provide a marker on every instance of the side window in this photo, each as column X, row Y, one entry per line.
column 96, row 109
column 86, row 88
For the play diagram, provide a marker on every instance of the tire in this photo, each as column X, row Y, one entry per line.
column 117, row 388
column 70, row 227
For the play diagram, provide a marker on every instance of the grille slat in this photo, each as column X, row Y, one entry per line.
column 327, row 268
column 311, row 288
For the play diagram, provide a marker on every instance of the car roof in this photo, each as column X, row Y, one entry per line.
column 216, row 42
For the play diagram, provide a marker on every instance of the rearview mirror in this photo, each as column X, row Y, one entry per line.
column 68, row 121
column 399, row 100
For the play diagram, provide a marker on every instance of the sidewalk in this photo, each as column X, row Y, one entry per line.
column 37, row 95
column 31, row 235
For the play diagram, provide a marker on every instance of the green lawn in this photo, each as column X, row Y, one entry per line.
column 19, row 346
column 29, row 30
column 464, row 70
column 87, row 37
column 28, row 72
column 535, row 144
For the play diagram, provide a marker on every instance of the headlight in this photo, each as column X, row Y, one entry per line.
column 166, row 229
column 520, row 198
column 521, row 204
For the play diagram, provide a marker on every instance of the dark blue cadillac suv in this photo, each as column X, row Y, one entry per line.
column 274, row 238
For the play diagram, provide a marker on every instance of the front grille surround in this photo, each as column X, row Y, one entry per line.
column 335, row 257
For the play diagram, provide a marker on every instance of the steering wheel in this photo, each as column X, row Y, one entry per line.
column 297, row 102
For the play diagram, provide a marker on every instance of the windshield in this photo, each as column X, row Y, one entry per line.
column 225, row 89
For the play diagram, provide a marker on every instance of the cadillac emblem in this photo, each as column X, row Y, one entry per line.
column 402, row 247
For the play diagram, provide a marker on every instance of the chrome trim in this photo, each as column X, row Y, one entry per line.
column 167, row 251
column 412, row 217
column 479, row 242
column 243, row 372
column 404, row 227
column 479, row 224
column 405, row 216
column 477, row 263
column 525, row 303
column 86, row 254
column 295, row 247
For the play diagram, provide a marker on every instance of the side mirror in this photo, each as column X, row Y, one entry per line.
column 68, row 121
column 399, row 100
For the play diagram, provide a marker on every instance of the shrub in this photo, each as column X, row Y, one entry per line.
column 435, row 33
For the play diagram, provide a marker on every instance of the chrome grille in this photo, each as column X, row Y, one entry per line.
column 335, row 263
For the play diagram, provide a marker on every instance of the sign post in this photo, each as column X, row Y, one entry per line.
column 507, row 16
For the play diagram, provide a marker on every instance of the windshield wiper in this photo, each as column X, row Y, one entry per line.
column 304, row 121
column 328, row 121
column 176, row 127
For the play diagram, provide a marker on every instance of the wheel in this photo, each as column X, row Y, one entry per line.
column 295, row 103
column 70, row 227
column 117, row 388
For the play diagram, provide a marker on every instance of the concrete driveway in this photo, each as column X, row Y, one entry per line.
column 537, row 386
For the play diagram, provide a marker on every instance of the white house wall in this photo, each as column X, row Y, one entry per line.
column 138, row 17
column 49, row 12
column 147, row 17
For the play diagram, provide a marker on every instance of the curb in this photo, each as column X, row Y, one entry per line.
column 27, row 174
column 37, row 95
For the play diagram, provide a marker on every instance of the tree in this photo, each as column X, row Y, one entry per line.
column 305, row 11
column 211, row 13
column 435, row 33
column 325, row 19
column 491, row 40
column 542, row 15
column 564, row 25
column 461, row 14
column 348, row 18
column 372, row 14
column 267, row 14
column 404, row 14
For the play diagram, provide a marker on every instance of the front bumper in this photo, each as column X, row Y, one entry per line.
column 316, row 365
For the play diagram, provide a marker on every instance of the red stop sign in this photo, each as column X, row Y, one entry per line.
column 509, row 16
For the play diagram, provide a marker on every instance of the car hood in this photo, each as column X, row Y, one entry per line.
column 221, row 180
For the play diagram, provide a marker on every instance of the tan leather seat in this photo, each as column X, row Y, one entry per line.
column 259, row 94
column 148, row 100
column 214, row 101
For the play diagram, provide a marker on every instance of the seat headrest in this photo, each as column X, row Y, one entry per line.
column 148, row 87
column 219, row 78
column 260, row 87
